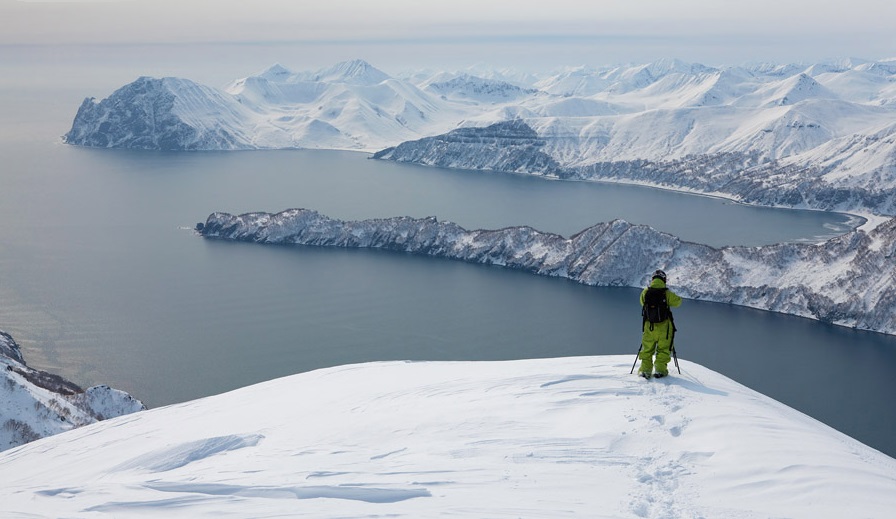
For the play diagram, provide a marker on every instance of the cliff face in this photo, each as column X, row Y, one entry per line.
column 37, row 404
column 510, row 146
column 158, row 114
column 847, row 281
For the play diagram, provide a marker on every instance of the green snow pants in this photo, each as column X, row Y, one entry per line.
column 656, row 339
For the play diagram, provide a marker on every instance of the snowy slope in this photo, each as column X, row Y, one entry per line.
column 466, row 87
column 163, row 114
column 35, row 404
column 570, row 437
column 351, row 105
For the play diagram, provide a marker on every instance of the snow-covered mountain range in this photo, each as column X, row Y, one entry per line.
column 35, row 404
column 820, row 136
column 351, row 105
column 567, row 437
column 848, row 280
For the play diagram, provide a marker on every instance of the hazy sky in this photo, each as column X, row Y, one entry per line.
column 533, row 33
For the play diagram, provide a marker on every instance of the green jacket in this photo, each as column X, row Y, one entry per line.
column 657, row 337
column 672, row 299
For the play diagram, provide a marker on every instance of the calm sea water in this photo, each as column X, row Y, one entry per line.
column 102, row 280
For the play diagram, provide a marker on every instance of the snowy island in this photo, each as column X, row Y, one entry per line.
column 819, row 136
column 846, row 280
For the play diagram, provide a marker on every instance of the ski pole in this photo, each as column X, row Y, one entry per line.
column 672, row 347
column 636, row 358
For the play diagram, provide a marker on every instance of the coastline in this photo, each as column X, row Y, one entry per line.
column 835, row 282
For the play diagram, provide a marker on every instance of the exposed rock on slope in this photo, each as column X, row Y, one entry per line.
column 510, row 146
column 160, row 114
column 36, row 404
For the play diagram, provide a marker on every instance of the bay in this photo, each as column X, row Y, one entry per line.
column 102, row 279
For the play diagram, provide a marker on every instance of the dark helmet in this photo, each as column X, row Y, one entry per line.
column 659, row 274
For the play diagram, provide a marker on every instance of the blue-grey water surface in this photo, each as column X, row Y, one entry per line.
column 102, row 280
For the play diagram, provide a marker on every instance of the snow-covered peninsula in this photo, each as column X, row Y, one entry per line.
column 567, row 437
column 847, row 280
column 35, row 404
column 820, row 135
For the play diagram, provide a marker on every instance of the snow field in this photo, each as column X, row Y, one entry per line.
column 569, row 437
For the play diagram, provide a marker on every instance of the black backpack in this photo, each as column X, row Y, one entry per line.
column 655, row 309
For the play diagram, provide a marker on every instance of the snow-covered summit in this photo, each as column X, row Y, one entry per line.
column 469, row 87
column 355, row 71
column 276, row 72
column 161, row 114
column 35, row 404
column 790, row 91
column 569, row 437
column 578, row 81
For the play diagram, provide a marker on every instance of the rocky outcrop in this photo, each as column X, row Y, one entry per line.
column 847, row 281
column 37, row 404
column 158, row 114
column 510, row 146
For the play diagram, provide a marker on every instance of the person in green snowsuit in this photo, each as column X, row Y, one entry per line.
column 657, row 337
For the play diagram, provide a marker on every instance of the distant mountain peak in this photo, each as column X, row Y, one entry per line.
column 469, row 86
column 356, row 71
column 276, row 72
column 665, row 66
column 801, row 87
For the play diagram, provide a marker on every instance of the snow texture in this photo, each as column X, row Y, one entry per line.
column 849, row 280
column 817, row 136
column 35, row 404
column 569, row 437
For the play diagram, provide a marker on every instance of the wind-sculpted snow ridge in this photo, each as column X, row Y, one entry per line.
column 848, row 280
column 35, row 404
